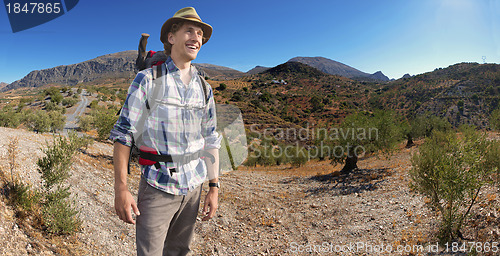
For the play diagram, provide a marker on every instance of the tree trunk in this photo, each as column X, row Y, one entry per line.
column 350, row 163
column 410, row 143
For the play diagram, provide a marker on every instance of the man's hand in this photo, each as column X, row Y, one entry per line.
column 123, row 203
column 211, row 203
column 123, row 198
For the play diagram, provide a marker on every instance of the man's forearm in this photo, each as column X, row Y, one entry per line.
column 120, row 164
column 213, row 168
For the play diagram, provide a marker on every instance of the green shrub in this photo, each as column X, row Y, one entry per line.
column 40, row 121
column 57, row 121
column 316, row 103
column 222, row 87
column 85, row 123
column 122, row 95
column 94, row 104
column 451, row 170
column 279, row 155
column 265, row 156
column 364, row 132
column 69, row 102
column 237, row 96
column 55, row 96
column 61, row 217
column 265, row 97
column 51, row 106
column 58, row 211
column 103, row 120
column 298, row 156
column 9, row 117
column 24, row 197
column 495, row 119
column 423, row 126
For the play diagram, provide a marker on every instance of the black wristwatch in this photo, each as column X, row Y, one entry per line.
column 214, row 184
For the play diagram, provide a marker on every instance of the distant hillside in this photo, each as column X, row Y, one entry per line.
column 256, row 70
column 219, row 72
column 379, row 76
column 2, row 85
column 464, row 93
column 336, row 68
column 294, row 94
column 295, row 68
column 406, row 76
column 115, row 65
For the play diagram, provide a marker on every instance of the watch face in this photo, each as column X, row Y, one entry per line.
column 217, row 185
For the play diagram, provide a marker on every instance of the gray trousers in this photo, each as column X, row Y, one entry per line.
column 166, row 224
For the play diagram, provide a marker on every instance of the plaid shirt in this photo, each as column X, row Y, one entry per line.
column 179, row 122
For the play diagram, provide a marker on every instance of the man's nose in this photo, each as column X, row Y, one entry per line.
column 195, row 36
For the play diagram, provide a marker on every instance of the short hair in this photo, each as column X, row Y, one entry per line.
column 175, row 27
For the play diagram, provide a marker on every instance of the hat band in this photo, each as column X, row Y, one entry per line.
column 192, row 17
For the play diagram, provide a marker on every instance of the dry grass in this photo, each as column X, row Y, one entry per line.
column 231, row 84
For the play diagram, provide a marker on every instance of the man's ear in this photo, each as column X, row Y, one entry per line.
column 170, row 37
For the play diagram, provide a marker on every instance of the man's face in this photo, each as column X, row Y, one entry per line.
column 186, row 42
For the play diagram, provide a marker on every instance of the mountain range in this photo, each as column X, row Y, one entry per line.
column 336, row 68
column 219, row 72
column 2, row 85
column 121, row 65
column 113, row 65
column 294, row 93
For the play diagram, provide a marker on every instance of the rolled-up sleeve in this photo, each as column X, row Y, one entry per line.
column 126, row 125
column 209, row 124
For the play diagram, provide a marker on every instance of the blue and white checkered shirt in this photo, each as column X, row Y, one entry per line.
column 179, row 122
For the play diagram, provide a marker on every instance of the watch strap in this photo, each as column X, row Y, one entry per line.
column 214, row 184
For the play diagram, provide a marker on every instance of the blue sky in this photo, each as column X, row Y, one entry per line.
column 395, row 37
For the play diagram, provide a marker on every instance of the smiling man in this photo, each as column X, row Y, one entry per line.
column 171, row 118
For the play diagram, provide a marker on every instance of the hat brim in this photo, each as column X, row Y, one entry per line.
column 167, row 26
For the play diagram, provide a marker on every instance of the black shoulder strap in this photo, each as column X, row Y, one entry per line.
column 204, row 86
column 157, row 72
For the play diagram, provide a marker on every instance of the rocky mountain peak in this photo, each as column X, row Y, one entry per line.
column 336, row 68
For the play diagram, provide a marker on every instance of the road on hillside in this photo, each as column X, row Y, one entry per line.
column 71, row 119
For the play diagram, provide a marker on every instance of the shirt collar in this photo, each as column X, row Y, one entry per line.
column 171, row 67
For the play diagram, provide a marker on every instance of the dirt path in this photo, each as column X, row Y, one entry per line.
column 71, row 119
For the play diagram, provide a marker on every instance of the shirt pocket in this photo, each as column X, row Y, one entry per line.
column 174, row 127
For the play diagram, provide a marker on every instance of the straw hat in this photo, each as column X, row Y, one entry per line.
column 185, row 14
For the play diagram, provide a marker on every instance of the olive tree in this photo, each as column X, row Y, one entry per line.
column 450, row 170
column 362, row 133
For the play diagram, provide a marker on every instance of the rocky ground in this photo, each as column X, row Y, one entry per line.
column 262, row 211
